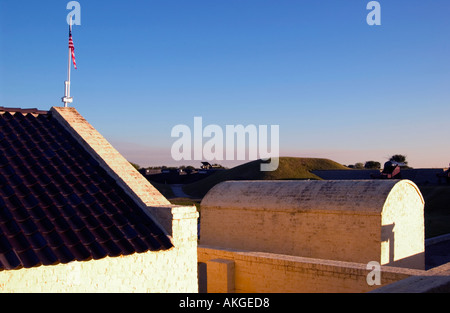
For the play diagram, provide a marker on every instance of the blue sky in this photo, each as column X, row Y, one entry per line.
column 338, row 88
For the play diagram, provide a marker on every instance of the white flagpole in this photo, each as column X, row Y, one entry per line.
column 69, row 60
column 67, row 99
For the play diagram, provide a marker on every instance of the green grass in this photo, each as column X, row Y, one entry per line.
column 290, row 168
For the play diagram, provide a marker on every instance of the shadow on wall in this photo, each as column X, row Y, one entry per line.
column 202, row 278
column 388, row 235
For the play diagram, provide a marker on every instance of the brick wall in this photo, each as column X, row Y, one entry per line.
column 402, row 230
column 174, row 270
column 317, row 235
column 257, row 272
column 156, row 272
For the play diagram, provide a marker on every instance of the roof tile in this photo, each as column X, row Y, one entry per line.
column 46, row 256
column 57, row 204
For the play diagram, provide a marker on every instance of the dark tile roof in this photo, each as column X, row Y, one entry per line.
column 25, row 111
column 57, row 204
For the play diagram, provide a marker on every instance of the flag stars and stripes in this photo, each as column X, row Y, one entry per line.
column 72, row 48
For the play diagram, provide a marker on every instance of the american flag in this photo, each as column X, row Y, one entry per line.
column 72, row 48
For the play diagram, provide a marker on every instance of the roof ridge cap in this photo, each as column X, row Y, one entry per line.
column 112, row 161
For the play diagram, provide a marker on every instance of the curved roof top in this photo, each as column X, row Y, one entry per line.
column 363, row 196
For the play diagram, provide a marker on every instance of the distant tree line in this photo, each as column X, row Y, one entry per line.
column 164, row 167
column 374, row 165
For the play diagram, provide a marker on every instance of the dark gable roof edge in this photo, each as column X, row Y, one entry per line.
column 117, row 166
column 23, row 111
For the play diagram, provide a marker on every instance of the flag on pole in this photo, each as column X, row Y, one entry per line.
column 72, row 48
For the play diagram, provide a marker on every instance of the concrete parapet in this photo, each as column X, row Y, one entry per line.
column 436, row 280
column 260, row 272
column 222, row 276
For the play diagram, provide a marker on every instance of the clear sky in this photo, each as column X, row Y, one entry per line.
column 337, row 87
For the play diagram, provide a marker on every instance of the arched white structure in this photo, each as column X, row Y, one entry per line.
column 355, row 221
